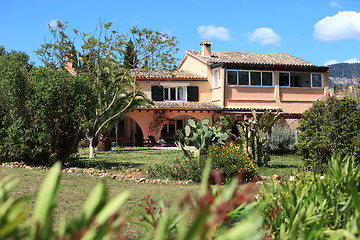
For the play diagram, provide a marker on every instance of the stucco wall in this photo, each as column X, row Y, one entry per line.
column 145, row 117
column 301, row 94
column 194, row 65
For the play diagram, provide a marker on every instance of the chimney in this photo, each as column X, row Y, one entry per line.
column 205, row 48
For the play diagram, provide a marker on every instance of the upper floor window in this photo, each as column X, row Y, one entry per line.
column 174, row 92
column 249, row 78
column 304, row 80
column 216, row 78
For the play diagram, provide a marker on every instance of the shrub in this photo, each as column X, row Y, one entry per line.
column 328, row 127
column 282, row 140
column 314, row 206
column 43, row 112
column 229, row 159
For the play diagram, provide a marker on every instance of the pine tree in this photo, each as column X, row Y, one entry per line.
column 130, row 56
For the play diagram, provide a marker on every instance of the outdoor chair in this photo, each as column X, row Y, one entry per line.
column 153, row 143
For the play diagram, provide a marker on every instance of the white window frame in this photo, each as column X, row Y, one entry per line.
column 289, row 83
column 216, row 78
column 311, row 80
column 322, row 80
column 167, row 87
column 249, row 77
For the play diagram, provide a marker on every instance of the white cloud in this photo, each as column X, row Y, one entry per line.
column 330, row 62
column 343, row 25
column 52, row 23
column 352, row 60
column 211, row 31
column 334, row 4
column 265, row 36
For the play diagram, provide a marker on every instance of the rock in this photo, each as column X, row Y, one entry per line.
column 142, row 180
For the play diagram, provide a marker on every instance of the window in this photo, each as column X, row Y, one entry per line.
column 174, row 92
column 303, row 80
column 249, row 78
column 232, row 78
column 255, row 78
column 243, row 78
column 216, row 78
column 284, row 78
column 316, row 80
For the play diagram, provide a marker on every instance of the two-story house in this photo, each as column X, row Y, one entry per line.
column 208, row 84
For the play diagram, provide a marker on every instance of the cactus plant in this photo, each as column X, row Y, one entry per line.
column 201, row 135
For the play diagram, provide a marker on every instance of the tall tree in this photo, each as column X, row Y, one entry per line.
column 101, row 55
column 42, row 111
column 130, row 56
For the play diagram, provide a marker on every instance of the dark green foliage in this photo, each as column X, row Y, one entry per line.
column 311, row 206
column 282, row 140
column 230, row 160
column 130, row 56
column 60, row 105
column 43, row 111
column 328, row 127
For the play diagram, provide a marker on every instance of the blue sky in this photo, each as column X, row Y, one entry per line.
column 319, row 31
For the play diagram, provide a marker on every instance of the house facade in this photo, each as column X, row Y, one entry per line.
column 208, row 84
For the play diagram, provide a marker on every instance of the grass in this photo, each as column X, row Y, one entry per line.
column 126, row 157
column 282, row 165
column 76, row 187
column 142, row 158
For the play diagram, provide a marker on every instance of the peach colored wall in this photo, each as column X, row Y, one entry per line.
column 192, row 64
column 217, row 95
column 144, row 118
column 204, row 87
column 250, row 93
column 301, row 94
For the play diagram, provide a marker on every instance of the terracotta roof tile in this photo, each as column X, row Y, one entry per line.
column 165, row 74
column 181, row 105
column 252, row 58
column 196, row 106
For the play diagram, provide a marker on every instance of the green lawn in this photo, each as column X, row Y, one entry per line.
column 127, row 157
column 142, row 158
column 76, row 187
column 282, row 165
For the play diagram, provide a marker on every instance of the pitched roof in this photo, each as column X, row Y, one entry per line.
column 197, row 106
column 181, row 105
column 252, row 58
column 145, row 74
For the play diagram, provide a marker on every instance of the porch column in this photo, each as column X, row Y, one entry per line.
column 276, row 87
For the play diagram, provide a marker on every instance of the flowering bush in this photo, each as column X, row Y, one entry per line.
column 230, row 160
column 160, row 118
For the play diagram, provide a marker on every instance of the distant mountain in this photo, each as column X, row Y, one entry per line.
column 344, row 74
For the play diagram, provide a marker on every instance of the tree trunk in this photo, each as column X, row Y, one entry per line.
column 91, row 147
